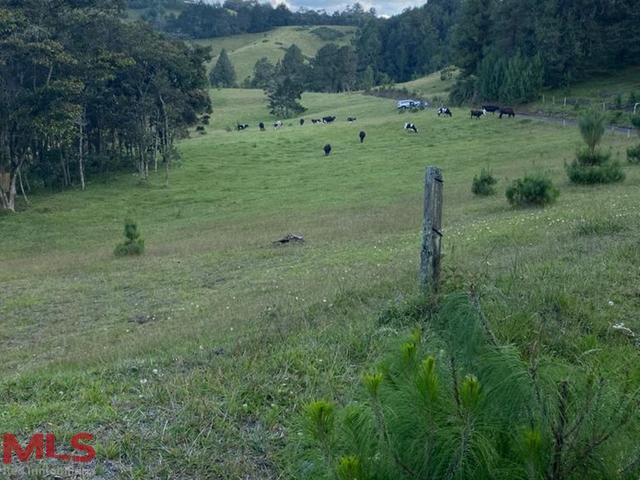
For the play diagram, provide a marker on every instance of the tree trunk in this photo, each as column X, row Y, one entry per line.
column 81, row 151
column 24, row 195
column 8, row 198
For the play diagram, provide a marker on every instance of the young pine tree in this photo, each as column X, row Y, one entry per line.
column 133, row 244
column 223, row 75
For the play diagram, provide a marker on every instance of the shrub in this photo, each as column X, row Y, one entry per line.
column 483, row 183
column 448, row 403
column 532, row 190
column 608, row 172
column 133, row 244
column 633, row 154
column 594, row 167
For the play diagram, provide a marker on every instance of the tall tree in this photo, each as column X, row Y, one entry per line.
column 263, row 73
column 223, row 74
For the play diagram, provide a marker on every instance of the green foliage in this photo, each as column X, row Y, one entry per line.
column 223, row 75
column 327, row 34
column 464, row 90
column 133, row 244
column 592, row 166
column 468, row 408
column 263, row 73
column 591, row 173
column 591, row 126
column 483, row 184
column 514, row 80
column 532, row 190
column 85, row 74
column 633, row 154
column 333, row 69
column 635, row 121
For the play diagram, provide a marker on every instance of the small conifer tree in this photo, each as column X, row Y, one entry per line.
column 133, row 244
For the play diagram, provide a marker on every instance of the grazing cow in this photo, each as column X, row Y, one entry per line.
column 444, row 111
column 278, row 124
column 328, row 119
column 302, row 121
column 491, row 108
column 351, row 119
column 478, row 113
column 261, row 125
column 362, row 134
column 242, row 126
column 508, row 111
column 327, row 150
column 316, row 120
column 410, row 126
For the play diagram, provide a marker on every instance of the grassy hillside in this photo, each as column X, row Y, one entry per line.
column 245, row 50
column 193, row 360
column 432, row 85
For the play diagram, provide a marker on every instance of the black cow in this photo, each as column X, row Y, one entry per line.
column 327, row 150
column 508, row 111
column 478, row 113
column 302, row 121
column 261, row 125
column 362, row 134
column 328, row 119
column 444, row 111
column 242, row 126
column 410, row 126
column 316, row 120
column 491, row 108
column 351, row 119
column 278, row 124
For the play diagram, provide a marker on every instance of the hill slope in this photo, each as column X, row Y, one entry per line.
column 193, row 360
column 245, row 50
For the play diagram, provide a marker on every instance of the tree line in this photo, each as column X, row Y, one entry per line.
column 333, row 69
column 83, row 93
column 508, row 50
column 206, row 19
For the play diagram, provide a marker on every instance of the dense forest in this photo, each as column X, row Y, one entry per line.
column 507, row 49
column 208, row 19
column 82, row 92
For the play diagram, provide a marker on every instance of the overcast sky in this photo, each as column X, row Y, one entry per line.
column 383, row 7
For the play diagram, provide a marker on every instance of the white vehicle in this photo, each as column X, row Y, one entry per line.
column 411, row 105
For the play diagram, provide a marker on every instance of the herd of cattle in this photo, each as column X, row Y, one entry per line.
column 408, row 126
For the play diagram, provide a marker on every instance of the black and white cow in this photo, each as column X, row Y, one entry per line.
column 327, row 150
column 444, row 111
column 261, row 125
column 316, row 120
column 242, row 126
column 478, row 113
column 362, row 134
column 508, row 111
column 328, row 119
column 410, row 126
column 278, row 124
column 351, row 119
column 491, row 108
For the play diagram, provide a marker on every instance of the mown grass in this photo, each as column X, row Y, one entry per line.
column 193, row 360
column 246, row 49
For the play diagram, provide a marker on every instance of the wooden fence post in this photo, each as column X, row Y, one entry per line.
column 430, row 253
